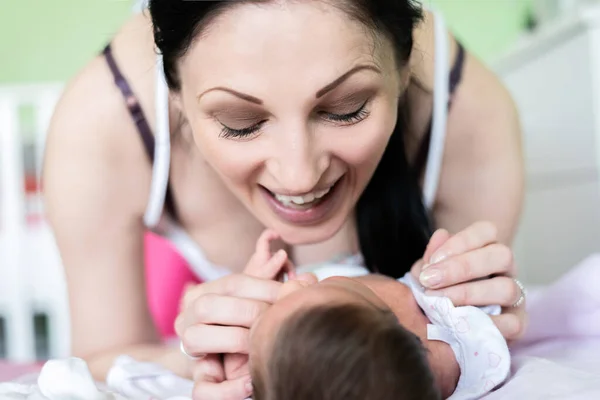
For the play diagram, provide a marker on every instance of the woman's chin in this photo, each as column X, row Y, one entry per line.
column 296, row 235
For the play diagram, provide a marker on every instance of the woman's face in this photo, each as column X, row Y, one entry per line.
column 292, row 104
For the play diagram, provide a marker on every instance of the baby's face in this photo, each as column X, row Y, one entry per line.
column 301, row 294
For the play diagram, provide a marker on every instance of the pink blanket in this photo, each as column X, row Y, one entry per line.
column 559, row 357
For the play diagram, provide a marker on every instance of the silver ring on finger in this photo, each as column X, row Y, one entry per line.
column 523, row 294
column 188, row 355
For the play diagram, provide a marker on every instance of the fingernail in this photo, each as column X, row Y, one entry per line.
column 249, row 385
column 437, row 257
column 431, row 277
column 281, row 254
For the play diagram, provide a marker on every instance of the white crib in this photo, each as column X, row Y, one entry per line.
column 31, row 274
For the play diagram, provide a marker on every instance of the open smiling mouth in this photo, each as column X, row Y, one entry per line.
column 306, row 201
column 306, row 209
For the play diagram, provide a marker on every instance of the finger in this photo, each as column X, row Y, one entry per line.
column 271, row 268
column 209, row 368
column 213, row 309
column 207, row 339
column 238, row 285
column 438, row 238
column 476, row 264
column 236, row 365
column 290, row 269
column 262, row 252
column 500, row 290
column 235, row 389
column 187, row 288
column 417, row 268
column 512, row 324
column 477, row 235
column 179, row 324
column 263, row 244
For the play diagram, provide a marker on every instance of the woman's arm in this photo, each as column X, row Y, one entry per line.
column 482, row 174
column 96, row 179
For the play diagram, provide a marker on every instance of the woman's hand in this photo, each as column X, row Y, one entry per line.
column 473, row 268
column 215, row 321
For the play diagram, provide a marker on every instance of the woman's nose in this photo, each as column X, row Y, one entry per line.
column 299, row 163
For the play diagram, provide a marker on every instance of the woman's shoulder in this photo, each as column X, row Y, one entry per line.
column 92, row 124
column 93, row 93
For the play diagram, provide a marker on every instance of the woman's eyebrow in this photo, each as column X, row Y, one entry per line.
column 341, row 79
column 320, row 93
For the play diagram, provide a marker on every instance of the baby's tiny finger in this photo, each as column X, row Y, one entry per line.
column 235, row 389
column 209, row 368
column 512, row 326
column 263, row 244
column 273, row 267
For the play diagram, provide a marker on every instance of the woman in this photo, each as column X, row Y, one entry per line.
column 305, row 117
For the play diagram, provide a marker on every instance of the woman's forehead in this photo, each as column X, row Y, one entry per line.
column 307, row 40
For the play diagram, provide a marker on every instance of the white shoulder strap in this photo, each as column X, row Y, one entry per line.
column 162, row 151
column 139, row 6
column 440, row 112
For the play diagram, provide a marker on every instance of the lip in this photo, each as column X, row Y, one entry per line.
column 311, row 215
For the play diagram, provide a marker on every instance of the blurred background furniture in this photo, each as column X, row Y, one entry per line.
column 33, row 300
column 554, row 76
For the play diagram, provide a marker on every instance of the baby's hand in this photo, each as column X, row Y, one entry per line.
column 264, row 264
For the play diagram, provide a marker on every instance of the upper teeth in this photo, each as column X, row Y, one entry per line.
column 307, row 198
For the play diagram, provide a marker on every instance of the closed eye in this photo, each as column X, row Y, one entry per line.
column 227, row 132
column 349, row 118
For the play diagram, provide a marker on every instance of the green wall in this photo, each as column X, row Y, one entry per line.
column 486, row 27
column 50, row 40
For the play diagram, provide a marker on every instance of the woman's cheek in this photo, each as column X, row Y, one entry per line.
column 365, row 143
column 235, row 160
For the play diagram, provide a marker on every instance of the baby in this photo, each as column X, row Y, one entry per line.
column 331, row 337
column 338, row 342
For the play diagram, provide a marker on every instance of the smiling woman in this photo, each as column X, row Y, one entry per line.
column 322, row 116
column 306, row 117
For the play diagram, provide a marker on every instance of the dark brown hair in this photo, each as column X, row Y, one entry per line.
column 393, row 225
column 345, row 352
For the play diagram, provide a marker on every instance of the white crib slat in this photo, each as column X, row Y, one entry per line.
column 31, row 274
column 18, row 316
column 19, row 324
column 54, row 297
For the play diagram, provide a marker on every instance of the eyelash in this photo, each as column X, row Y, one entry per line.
column 350, row 118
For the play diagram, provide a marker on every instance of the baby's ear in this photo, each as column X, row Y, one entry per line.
column 300, row 282
column 308, row 278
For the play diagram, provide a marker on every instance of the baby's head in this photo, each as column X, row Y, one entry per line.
column 338, row 340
